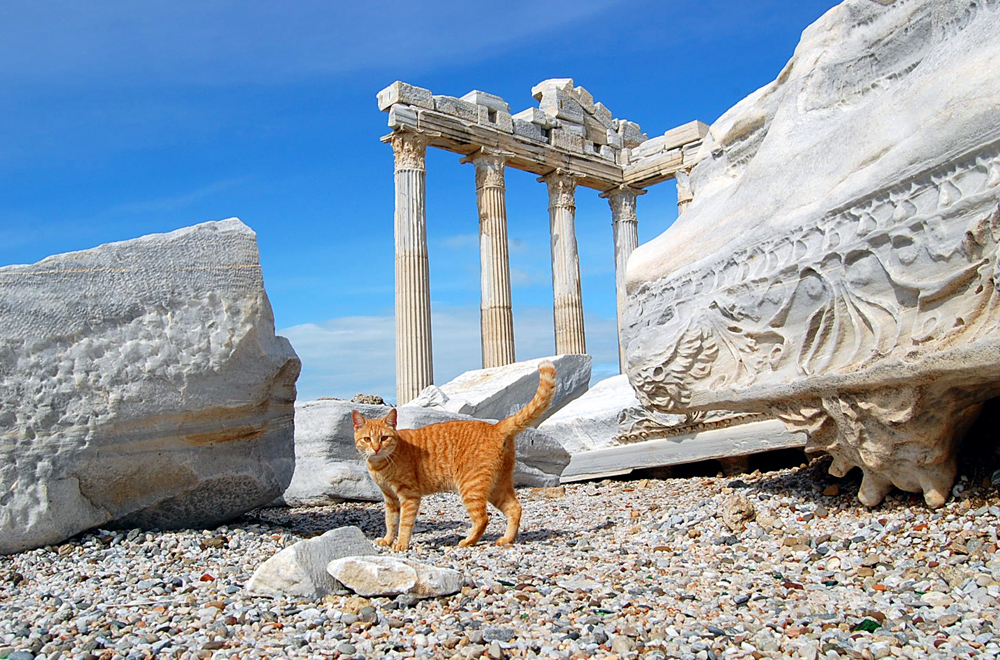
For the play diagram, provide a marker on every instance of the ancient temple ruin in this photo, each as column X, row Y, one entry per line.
column 568, row 141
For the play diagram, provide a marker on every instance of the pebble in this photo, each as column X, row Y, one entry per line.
column 586, row 578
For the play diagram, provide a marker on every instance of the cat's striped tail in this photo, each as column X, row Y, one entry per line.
column 524, row 417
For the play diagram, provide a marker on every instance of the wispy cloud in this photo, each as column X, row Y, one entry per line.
column 461, row 241
column 230, row 41
column 179, row 200
column 350, row 355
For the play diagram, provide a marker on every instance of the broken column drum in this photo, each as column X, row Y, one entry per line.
column 414, row 360
column 496, row 315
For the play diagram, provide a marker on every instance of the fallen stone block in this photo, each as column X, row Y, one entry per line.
column 499, row 392
column 837, row 267
column 141, row 385
column 391, row 576
column 681, row 447
column 300, row 569
column 591, row 421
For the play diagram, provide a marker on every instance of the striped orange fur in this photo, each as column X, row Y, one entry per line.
column 474, row 458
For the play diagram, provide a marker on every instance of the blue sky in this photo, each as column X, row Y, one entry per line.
column 120, row 119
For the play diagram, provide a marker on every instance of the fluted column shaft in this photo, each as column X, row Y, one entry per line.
column 414, row 359
column 684, row 195
column 495, row 315
column 625, row 231
column 567, row 296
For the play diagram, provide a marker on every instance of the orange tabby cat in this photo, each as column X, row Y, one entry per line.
column 469, row 456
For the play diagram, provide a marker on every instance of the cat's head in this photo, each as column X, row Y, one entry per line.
column 376, row 437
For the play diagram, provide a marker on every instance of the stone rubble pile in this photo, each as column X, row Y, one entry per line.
column 300, row 570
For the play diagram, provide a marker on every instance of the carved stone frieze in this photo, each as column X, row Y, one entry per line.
column 904, row 273
column 838, row 266
column 904, row 436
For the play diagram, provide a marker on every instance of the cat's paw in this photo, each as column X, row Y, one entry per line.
column 400, row 547
column 383, row 542
column 464, row 543
column 503, row 541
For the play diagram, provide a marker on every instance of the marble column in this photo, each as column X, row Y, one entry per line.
column 684, row 195
column 568, row 300
column 495, row 316
column 414, row 361
column 625, row 231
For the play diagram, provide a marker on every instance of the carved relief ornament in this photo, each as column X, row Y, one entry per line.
column 903, row 273
column 409, row 149
column 562, row 189
column 490, row 165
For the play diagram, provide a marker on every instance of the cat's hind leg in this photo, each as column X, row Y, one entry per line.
column 505, row 499
column 474, row 500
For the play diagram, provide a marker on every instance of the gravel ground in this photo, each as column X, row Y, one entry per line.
column 630, row 569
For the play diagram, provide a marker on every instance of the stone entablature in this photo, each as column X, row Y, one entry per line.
column 569, row 141
column 567, row 130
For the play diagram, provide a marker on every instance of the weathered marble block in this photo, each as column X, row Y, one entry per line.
column 141, row 385
column 838, row 265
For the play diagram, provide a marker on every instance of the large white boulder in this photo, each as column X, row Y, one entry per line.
column 329, row 469
column 141, row 385
column 838, row 266
column 499, row 392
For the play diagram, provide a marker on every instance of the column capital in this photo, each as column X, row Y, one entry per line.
column 409, row 149
column 622, row 190
column 490, row 165
column 562, row 188
column 487, row 155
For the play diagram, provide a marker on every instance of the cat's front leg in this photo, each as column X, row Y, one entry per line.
column 409, row 505
column 391, row 519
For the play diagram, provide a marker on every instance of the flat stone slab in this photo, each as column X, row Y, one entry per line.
column 392, row 576
column 711, row 444
column 591, row 421
column 141, row 385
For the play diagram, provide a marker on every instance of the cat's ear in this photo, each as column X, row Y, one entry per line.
column 390, row 419
column 358, row 419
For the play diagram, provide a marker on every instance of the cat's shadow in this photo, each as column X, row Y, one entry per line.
column 431, row 532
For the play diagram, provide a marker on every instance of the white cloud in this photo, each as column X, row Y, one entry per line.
column 350, row 355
